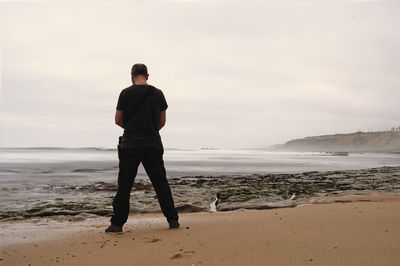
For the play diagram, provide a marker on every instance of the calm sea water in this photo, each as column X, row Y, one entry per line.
column 30, row 176
column 102, row 164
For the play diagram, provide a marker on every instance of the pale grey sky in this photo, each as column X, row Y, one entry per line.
column 235, row 73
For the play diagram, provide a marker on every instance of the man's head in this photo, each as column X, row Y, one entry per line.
column 139, row 73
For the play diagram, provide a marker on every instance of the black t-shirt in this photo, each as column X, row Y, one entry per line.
column 141, row 125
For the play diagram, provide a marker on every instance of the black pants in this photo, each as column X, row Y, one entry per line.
column 153, row 163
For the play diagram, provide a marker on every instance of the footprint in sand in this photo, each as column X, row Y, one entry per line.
column 183, row 254
column 154, row 240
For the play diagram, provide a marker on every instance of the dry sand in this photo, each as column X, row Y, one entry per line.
column 357, row 230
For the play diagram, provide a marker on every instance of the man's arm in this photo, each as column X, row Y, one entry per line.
column 163, row 119
column 118, row 118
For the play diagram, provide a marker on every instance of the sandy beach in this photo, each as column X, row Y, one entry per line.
column 353, row 230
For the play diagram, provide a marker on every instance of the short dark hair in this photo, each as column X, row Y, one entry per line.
column 139, row 69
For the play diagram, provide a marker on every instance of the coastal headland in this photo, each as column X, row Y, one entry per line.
column 378, row 141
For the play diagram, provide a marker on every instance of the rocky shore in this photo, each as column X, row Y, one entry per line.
column 214, row 193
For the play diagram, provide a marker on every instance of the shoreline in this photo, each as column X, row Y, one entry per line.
column 346, row 230
column 197, row 193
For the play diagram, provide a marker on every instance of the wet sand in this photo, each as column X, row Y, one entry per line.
column 353, row 230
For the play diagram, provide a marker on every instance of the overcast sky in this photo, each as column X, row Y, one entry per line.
column 235, row 74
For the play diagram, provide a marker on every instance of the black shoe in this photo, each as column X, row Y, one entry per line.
column 173, row 224
column 114, row 229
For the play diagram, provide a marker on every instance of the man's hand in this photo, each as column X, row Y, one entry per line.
column 118, row 118
column 162, row 119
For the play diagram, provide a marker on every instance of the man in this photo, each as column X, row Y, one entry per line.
column 141, row 113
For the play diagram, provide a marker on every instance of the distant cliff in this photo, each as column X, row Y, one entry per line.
column 382, row 141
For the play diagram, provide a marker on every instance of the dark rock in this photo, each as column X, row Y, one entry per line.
column 190, row 208
column 255, row 204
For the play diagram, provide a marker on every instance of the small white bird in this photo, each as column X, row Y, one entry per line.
column 293, row 196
